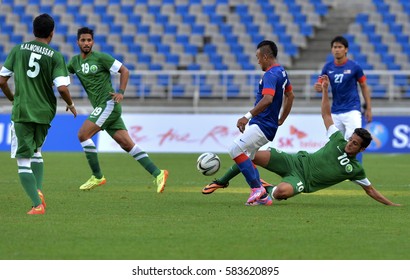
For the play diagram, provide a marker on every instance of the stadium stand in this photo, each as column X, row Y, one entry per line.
column 211, row 35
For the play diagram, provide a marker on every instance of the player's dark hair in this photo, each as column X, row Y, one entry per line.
column 269, row 48
column 43, row 25
column 85, row 30
column 365, row 135
column 340, row 39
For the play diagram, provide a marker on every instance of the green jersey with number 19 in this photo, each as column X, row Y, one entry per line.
column 36, row 67
column 94, row 73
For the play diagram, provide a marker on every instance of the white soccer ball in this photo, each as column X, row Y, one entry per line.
column 208, row 164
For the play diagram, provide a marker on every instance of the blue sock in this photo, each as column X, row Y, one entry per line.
column 248, row 170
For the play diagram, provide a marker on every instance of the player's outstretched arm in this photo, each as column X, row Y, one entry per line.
column 373, row 193
column 325, row 107
column 65, row 94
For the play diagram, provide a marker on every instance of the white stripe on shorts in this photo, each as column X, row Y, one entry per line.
column 106, row 113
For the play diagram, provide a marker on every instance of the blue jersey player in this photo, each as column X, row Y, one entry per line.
column 263, row 121
column 344, row 75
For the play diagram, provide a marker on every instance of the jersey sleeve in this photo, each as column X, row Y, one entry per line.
column 362, row 182
column 331, row 130
column 269, row 84
column 8, row 64
column 110, row 63
column 359, row 74
column 5, row 72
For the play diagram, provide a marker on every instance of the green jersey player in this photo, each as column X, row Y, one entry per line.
column 36, row 67
column 332, row 164
column 94, row 69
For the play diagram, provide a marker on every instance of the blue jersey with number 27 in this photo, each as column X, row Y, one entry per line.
column 343, row 81
column 274, row 82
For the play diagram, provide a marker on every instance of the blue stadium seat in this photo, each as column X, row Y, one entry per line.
column 241, row 9
column 72, row 9
column 116, row 28
column 198, row 29
column 246, row 19
column 216, row 19
column 163, row 80
column 155, row 66
column 182, row 39
column 135, row 48
column 233, row 90
column 178, row 90
column 161, row 19
column 143, row 29
column 61, row 28
column 306, row 29
column 100, row 9
column 155, row 39
column 170, row 29
column 401, row 80
column 395, row 28
column 134, row 19
column 379, row 91
column 193, row 66
column 191, row 49
column 209, row 9
column 182, row 9
column 172, row 59
column 226, row 29
column 372, row 80
column 381, row 48
column 321, row 9
column 128, row 10
column 45, row 8
column 107, row 19
column 7, row 29
column 210, row 49
column 144, row 58
column 205, row 90
column 221, row 66
column 362, row 18
column 16, row 39
column 107, row 48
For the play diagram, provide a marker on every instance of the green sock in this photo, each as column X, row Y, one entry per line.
column 92, row 159
column 28, row 180
column 147, row 163
column 38, row 170
column 142, row 157
column 229, row 174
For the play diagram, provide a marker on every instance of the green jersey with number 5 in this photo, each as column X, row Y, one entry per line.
column 94, row 73
column 36, row 67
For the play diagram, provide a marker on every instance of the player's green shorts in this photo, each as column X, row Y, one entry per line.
column 289, row 168
column 108, row 117
column 27, row 138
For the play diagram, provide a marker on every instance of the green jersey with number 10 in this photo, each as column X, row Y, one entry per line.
column 36, row 67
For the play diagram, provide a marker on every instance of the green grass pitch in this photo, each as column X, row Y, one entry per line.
column 127, row 220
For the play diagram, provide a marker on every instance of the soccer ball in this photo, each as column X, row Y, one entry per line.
column 208, row 164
